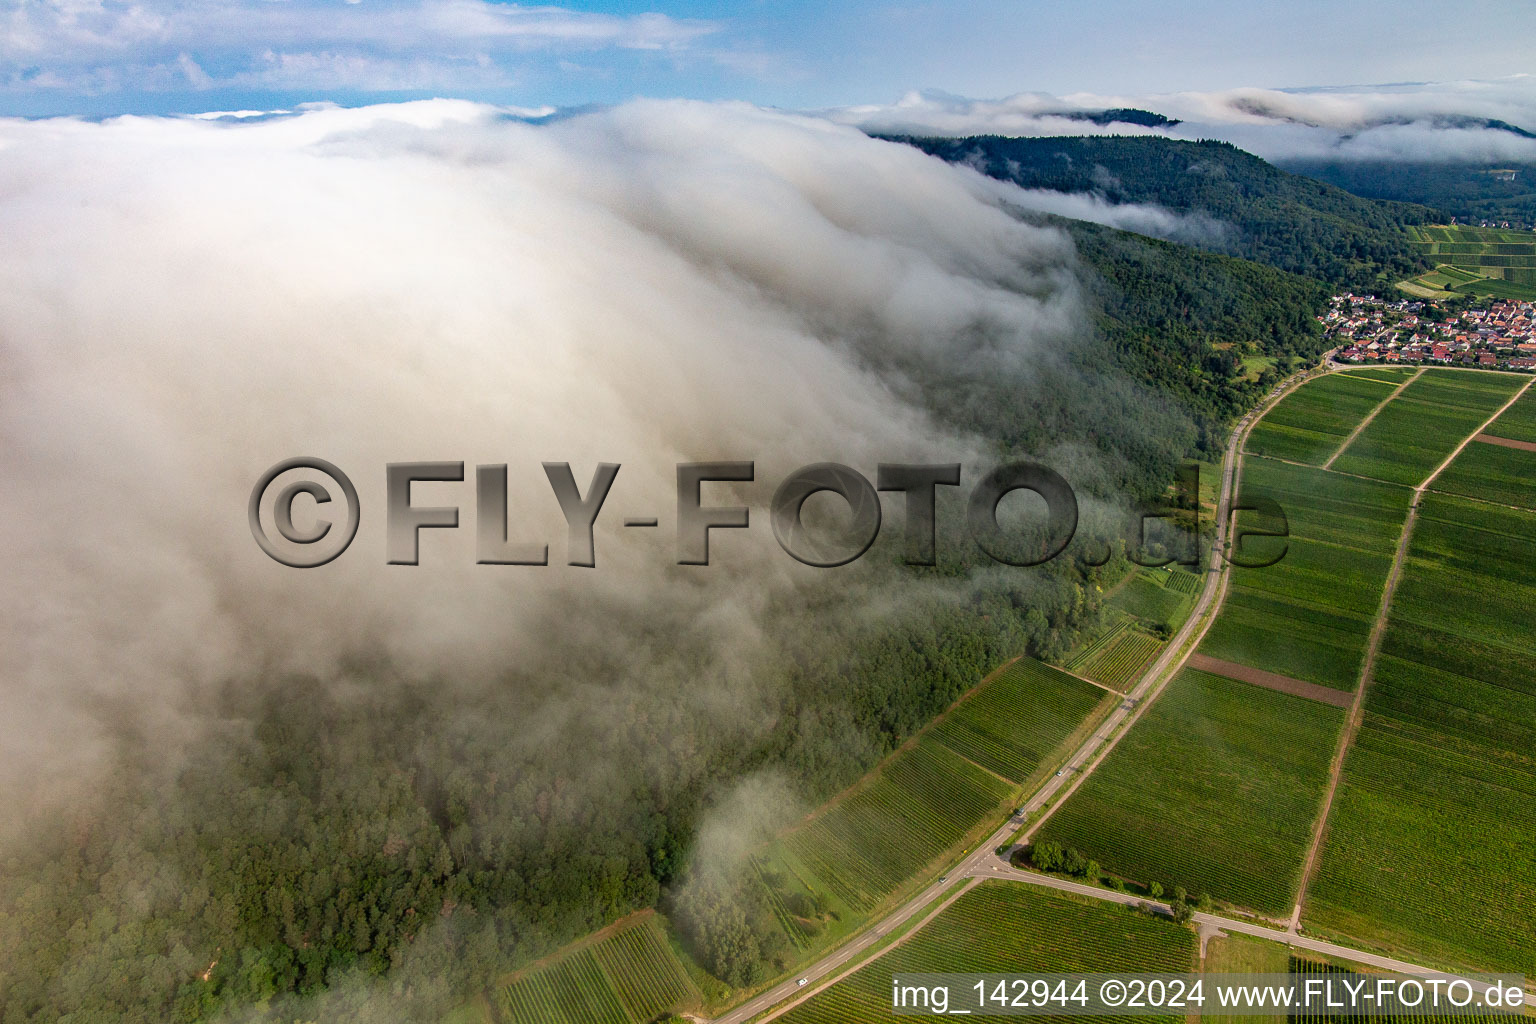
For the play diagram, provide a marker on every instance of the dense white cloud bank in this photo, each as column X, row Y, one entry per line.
column 1429, row 121
column 190, row 301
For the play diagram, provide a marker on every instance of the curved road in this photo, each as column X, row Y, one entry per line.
column 984, row 860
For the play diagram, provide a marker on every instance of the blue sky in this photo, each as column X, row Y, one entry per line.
column 111, row 56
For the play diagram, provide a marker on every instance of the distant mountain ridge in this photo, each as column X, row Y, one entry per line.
column 1286, row 220
column 1121, row 115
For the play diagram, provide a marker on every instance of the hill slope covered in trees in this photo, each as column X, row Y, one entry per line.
column 1270, row 215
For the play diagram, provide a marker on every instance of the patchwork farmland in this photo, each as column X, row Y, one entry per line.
column 1477, row 261
column 1118, row 657
column 1224, row 785
column 1429, row 846
column 1424, row 424
column 1003, row 927
column 1309, row 424
column 1220, row 786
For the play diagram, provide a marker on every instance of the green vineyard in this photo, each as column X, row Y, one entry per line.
column 1122, row 661
column 1309, row 615
column 1215, row 789
column 1416, row 431
column 630, row 977
column 924, row 802
column 1008, row 927
column 1015, row 722
column 1310, row 423
column 1298, row 965
column 1104, row 641
column 1428, row 847
column 1482, row 261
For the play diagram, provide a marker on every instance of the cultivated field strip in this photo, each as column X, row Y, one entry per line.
column 1152, row 596
column 1309, row 424
column 1000, row 927
column 1220, row 784
column 1502, row 474
column 1103, row 641
column 924, row 802
column 1121, row 662
column 928, row 798
column 1424, row 424
column 1298, row 965
column 1215, row 789
column 1495, row 473
column 1518, row 422
column 1429, row 847
column 1268, row 680
column 1309, row 616
column 1390, row 374
column 629, row 977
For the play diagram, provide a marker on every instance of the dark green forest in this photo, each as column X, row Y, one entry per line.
column 1285, row 220
column 1181, row 320
column 1467, row 191
column 395, row 843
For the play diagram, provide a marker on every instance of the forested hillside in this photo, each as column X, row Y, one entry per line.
column 1183, row 321
column 1262, row 213
column 1464, row 190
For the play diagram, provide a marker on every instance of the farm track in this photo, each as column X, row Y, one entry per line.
column 1367, row 667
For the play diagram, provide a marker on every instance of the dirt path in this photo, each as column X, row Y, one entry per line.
column 1368, row 666
column 1269, row 680
column 1366, row 422
column 1506, row 442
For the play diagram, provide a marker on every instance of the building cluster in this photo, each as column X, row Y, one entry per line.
column 1371, row 330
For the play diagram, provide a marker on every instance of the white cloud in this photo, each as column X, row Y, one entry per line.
column 97, row 46
column 1418, row 121
column 188, row 301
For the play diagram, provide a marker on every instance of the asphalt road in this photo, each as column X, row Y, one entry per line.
column 986, row 862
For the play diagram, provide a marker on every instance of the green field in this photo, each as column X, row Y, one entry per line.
column 1390, row 374
column 1218, row 786
column 1353, row 974
column 1010, row 927
column 1479, row 261
column 1429, row 849
column 629, row 977
column 1518, row 422
column 1014, row 724
column 1149, row 597
column 923, row 802
column 1309, row 616
column 959, row 777
column 1244, row 954
column 1310, row 423
column 1424, row 424
column 1118, row 658
column 1492, row 473
column 1215, row 789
